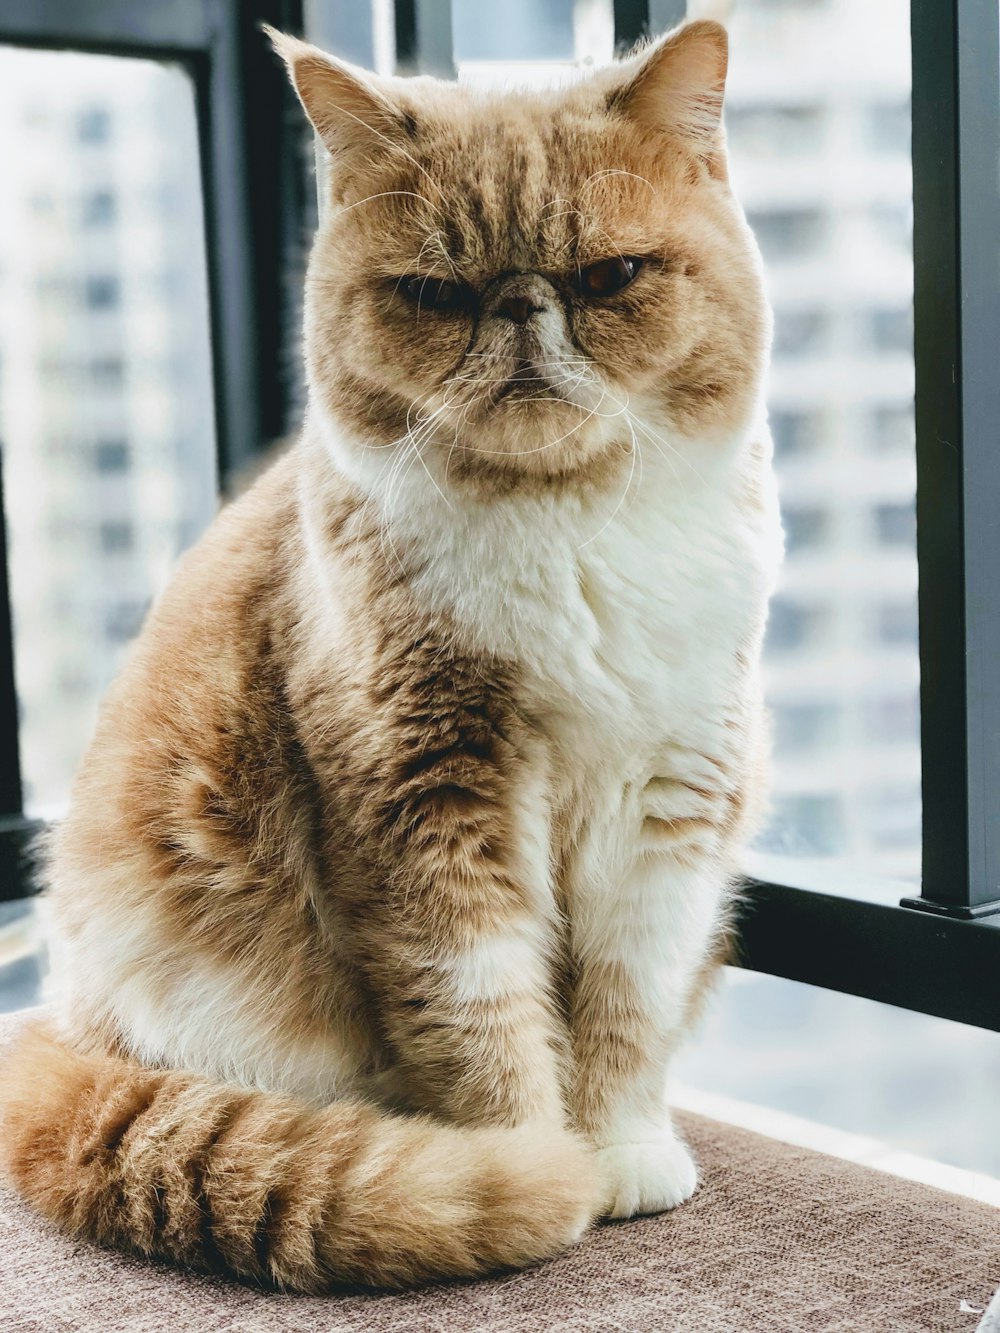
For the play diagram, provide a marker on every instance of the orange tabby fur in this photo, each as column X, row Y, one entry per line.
column 321, row 852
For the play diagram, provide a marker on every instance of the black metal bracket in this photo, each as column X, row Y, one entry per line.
column 934, row 964
column 957, row 911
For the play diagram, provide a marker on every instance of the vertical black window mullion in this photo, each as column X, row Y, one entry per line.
column 631, row 22
column 255, row 230
column 405, row 17
column 635, row 19
column 424, row 38
column 11, row 796
column 956, row 192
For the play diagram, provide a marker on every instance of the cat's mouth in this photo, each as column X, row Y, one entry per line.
column 524, row 383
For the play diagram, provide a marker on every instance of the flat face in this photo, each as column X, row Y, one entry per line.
column 509, row 273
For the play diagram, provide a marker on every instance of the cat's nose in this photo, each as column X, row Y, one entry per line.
column 517, row 308
column 517, row 297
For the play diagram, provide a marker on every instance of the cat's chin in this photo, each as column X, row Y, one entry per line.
column 517, row 435
column 590, row 464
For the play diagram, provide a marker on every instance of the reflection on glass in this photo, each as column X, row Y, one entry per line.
column 818, row 125
column 105, row 375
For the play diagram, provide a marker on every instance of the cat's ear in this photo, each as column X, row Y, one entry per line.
column 677, row 86
column 347, row 109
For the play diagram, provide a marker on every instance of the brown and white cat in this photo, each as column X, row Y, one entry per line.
column 400, row 858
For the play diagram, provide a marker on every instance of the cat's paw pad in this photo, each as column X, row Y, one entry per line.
column 646, row 1177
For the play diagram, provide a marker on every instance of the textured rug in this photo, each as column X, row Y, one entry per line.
column 777, row 1240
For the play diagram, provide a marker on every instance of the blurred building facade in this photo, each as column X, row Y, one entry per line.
column 819, row 127
column 105, row 376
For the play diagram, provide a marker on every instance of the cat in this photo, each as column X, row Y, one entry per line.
column 403, row 852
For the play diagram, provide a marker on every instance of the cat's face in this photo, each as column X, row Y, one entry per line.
column 521, row 280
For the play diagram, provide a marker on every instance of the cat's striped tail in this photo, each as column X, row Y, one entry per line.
column 172, row 1165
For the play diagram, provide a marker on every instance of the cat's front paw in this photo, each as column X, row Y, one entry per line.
column 646, row 1177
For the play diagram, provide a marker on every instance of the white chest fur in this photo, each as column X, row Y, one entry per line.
column 625, row 613
column 631, row 618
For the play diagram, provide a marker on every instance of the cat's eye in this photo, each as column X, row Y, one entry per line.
column 608, row 276
column 436, row 293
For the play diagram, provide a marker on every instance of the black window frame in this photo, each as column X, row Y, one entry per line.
column 937, row 952
column 257, row 215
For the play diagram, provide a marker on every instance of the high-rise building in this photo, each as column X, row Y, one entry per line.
column 819, row 129
column 105, row 375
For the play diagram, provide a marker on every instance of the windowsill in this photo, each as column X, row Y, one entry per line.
column 839, row 876
column 837, row 1143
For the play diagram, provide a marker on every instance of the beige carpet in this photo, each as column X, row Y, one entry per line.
column 777, row 1240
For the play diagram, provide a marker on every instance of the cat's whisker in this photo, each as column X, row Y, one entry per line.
column 551, row 444
column 407, row 452
column 616, row 171
column 555, row 361
column 438, row 236
column 418, row 445
column 401, row 464
column 546, row 382
column 557, row 200
column 622, row 498
column 429, row 240
column 660, row 443
column 384, row 194
column 395, row 148
column 632, row 420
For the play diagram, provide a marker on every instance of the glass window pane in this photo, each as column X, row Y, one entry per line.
column 818, row 121
column 515, row 30
column 106, row 416
column 918, row 1084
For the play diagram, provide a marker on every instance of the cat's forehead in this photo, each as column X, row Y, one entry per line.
column 510, row 185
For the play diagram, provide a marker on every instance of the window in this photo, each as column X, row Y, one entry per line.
column 896, row 623
column 788, row 233
column 779, row 131
column 895, row 525
column 106, row 372
column 93, row 125
column 123, row 620
column 805, row 527
column 833, row 222
column 800, row 333
column 799, row 727
column 517, row 30
column 806, row 825
column 98, row 209
column 889, row 127
column 79, row 382
column 892, row 429
column 891, row 330
column 794, row 624
column 111, row 456
column 893, row 224
column 894, row 813
column 894, row 717
column 101, row 292
column 115, row 536
column 795, row 434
